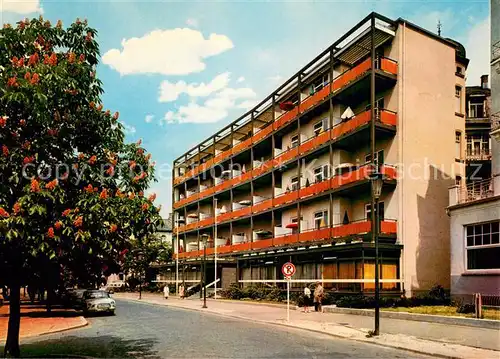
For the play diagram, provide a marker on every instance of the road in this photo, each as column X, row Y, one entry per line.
column 147, row 331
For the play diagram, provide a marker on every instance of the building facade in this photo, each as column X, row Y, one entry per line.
column 477, row 131
column 288, row 181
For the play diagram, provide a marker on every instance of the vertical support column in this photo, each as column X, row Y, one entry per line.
column 374, row 212
column 273, row 176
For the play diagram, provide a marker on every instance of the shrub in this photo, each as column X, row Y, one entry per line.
column 275, row 294
column 466, row 308
column 232, row 292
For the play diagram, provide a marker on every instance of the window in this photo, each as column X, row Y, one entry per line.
column 477, row 145
column 368, row 211
column 459, row 70
column 458, row 144
column 321, row 173
column 458, row 103
column 318, row 84
column 320, row 126
column 458, row 180
column 476, row 110
column 295, row 141
column 482, row 246
column 295, row 183
column 295, row 219
column 379, row 158
column 321, row 219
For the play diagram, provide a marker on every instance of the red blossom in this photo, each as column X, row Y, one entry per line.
column 145, row 206
column 140, row 151
column 16, row 208
column 12, row 82
column 20, row 63
column 66, row 212
column 89, row 189
column 81, row 156
column 103, row 194
column 123, row 252
column 58, row 225
column 99, row 108
column 52, row 132
column 78, row 222
column 110, row 171
column 82, row 57
column 141, row 194
column 92, row 104
column 71, row 57
column 152, row 197
column 4, row 213
column 33, row 60
column 52, row 184
column 27, row 76
column 116, row 115
column 27, row 160
column 35, row 186
column 22, row 123
column 35, row 79
column 113, row 228
column 26, row 145
column 131, row 195
column 3, row 121
column 92, row 159
column 5, row 150
column 107, row 113
column 132, row 164
column 148, row 157
column 50, row 232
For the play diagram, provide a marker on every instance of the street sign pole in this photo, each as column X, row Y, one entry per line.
column 288, row 271
column 288, row 300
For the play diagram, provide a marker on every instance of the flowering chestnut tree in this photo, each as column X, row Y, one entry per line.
column 71, row 189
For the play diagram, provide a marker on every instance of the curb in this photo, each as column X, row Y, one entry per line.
column 365, row 341
column 83, row 323
column 467, row 322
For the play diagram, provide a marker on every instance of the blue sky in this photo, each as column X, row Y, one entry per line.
column 179, row 71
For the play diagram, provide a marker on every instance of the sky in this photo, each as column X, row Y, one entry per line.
column 178, row 71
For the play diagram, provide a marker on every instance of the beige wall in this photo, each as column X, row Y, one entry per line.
column 425, row 139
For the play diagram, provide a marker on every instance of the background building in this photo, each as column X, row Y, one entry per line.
column 475, row 209
column 288, row 180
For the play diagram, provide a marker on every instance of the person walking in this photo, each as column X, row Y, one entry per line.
column 181, row 291
column 166, row 291
column 318, row 297
column 307, row 299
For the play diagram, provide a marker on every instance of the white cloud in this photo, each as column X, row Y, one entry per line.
column 129, row 129
column 20, row 6
column 170, row 91
column 148, row 118
column 192, row 22
column 248, row 104
column 478, row 51
column 214, row 109
column 168, row 52
column 275, row 78
column 240, row 79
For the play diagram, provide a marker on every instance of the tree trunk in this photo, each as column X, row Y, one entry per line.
column 12, row 342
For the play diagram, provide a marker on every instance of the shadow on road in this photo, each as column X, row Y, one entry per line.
column 105, row 346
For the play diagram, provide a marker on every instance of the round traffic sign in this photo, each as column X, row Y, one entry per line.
column 288, row 269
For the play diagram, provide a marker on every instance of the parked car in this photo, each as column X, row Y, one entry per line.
column 98, row 301
column 77, row 299
column 113, row 286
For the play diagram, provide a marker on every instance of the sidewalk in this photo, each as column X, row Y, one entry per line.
column 427, row 338
column 36, row 321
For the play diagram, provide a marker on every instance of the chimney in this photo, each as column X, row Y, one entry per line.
column 484, row 81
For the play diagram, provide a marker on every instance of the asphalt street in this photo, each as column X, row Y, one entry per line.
column 147, row 331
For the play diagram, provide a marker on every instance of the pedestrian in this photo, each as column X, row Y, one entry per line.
column 181, row 291
column 318, row 297
column 307, row 299
column 166, row 291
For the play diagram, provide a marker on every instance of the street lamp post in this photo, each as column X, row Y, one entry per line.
column 215, row 248
column 377, row 181
column 203, row 286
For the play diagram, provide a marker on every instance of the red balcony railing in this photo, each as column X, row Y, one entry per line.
column 333, row 233
column 359, row 174
column 386, row 64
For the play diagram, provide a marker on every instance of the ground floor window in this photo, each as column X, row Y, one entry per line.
column 483, row 246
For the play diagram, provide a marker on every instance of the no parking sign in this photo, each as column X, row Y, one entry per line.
column 288, row 269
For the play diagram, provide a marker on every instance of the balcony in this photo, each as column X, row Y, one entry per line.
column 343, row 182
column 384, row 65
column 337, row 133
column 472, row 192
column 335, row 234
column 479, row 155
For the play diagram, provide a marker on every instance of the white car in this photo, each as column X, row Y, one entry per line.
column 98, row 301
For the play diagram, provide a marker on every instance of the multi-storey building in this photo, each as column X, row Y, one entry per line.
column 287, row 181
column 475, row 208
column 477, row 131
